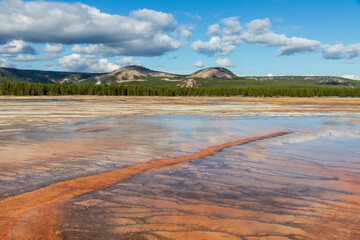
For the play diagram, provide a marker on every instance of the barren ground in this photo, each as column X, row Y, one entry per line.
column 35, row 110
column 222, row 168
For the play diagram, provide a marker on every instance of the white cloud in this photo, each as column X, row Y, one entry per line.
column 185, row 34
column 78, row 63
column 165, row 20
column 160, row 44
column 353, row 77
column 199, row 64
column 224, row 62
column 269, row 75
column 208, row 48
column 258, row 31
column 143, row 33
column 213, row 30
column 6, row 63
column 14, row 47
column 126, row 61
column 33, row 58
column 53, row 48
column 225, row 40
column 222, row 41
column 339, row 51
column 232, row 26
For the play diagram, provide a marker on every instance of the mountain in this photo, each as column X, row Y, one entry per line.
column 141, row 76
column 134, row 73
column 38, row 76
column 215, row 72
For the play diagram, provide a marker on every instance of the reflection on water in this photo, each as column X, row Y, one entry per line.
column 305, row 185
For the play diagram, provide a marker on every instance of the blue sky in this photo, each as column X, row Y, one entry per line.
column 253, row 37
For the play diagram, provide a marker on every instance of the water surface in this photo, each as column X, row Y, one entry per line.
column 304, row 185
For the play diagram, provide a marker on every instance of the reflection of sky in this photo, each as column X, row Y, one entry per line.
column 299, row 175
column 99, row 144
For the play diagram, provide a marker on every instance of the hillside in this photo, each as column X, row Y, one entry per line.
column 141, row 76
column 219, row 73
column 38, row 76
column 135, row 74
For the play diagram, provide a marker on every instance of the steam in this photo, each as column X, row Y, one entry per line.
column 98, row 80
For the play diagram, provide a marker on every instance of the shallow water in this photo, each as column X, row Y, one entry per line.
column 304, row 185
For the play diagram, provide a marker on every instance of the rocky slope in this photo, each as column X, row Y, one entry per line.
column 190, row 83
column 136, row 73
column 215, row 72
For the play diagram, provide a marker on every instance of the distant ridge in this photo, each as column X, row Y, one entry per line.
column 135, row 72
column 142, row 76
column 213, row 72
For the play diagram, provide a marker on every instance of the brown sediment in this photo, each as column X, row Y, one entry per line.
column 34, row 215
column 289, row 191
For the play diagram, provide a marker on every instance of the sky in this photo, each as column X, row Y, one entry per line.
column 249, row 37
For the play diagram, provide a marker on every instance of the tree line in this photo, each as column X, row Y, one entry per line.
column 39, row 89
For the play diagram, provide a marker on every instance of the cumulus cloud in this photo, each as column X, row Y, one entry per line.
column 143, row 33
column 232, row 26
column 353, row 77
column 126, row 61
column 199, row 64
column 222, row 40
column 6, row 63
column 165, row 21
column 185, row 34
column 213, row 30
column 53, row 48
column 11, row 48
column 269, row 75
column 33, row 58
column 225, row 40
column 224, row 62
column 138, row 47
column 339, row 51
column 258, row 31
column 78, row 63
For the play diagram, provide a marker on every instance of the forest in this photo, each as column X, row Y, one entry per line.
column 39, row 89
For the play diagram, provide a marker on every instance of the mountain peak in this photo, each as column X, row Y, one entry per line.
column 137, row 68
column 213, row 72
column 136, row 72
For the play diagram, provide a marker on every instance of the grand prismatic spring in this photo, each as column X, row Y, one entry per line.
column 161, row 168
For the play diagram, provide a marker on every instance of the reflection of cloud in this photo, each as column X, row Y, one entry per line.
column 298, row 137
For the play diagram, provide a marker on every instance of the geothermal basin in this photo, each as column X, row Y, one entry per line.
column 205, row 168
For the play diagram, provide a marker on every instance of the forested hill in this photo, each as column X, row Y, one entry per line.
column 37, row 76
column 141, row 76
